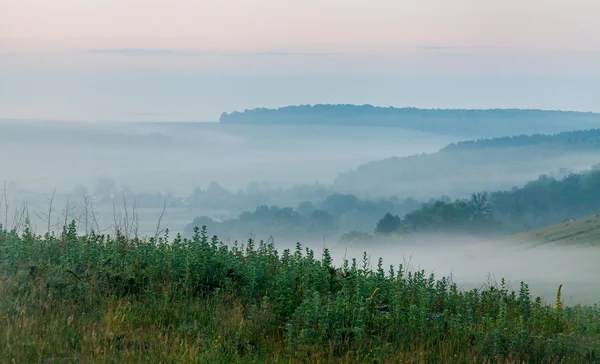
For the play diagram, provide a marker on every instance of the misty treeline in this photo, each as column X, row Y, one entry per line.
column 260, row 209
column 318, row 210
column 473, row 215
column 214, row 197
column 463, row 167
column 325, row 213
column 577, row 140
column 331, row 217
column 543, row 202
column 461, row 122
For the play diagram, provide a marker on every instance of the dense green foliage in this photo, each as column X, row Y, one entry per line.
column 472, row 215
column 463, row 122
column 543, row 202
column 331, row 217
column 98, row 298
column 547, row 201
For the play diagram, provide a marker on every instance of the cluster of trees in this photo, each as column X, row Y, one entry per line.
column 548, row 200
column 268, row 221
column 543, row 202
column 463, row 122
column 462, row 215
column 330, row 217
column 217, row 198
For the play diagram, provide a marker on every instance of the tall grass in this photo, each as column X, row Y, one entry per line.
column 99, row 298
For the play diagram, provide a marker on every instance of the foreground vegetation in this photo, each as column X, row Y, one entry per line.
column 93, row 298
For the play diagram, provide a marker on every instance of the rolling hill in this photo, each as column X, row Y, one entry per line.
column 488, row 164
column 466, row 123
column 584, row 231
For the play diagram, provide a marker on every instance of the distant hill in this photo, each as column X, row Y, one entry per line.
column 577, row 140
column 458, row 169
column 459, row 122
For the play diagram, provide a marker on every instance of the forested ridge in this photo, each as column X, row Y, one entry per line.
column 477, row 164
column 464, row 122
column 578, row 140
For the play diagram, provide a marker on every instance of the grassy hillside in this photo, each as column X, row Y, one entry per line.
column 582, row 231
column 74, row 299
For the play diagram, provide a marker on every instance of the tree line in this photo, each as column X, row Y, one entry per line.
column 543, row 202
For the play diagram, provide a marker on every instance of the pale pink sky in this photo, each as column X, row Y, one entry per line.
column 302, row 25
column 395, row 52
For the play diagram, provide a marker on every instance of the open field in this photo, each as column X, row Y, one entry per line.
column 178, row 157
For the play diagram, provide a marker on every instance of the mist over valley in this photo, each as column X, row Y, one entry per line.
column 485, row 214
column 308, row 183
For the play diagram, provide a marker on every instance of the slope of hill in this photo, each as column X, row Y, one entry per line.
column 490, row 164
column 584, row 231
column 577, row 140
column 458, row 122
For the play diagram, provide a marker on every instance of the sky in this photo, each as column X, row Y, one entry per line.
column 191, row 60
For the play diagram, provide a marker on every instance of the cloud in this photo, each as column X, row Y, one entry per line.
column 446, row 51
column 455, row 54
column 282, row 54
column 274, row 54
column 143, row 52
column 434, row 47
column 167, row 52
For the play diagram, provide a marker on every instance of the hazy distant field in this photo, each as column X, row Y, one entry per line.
column 179, row 157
